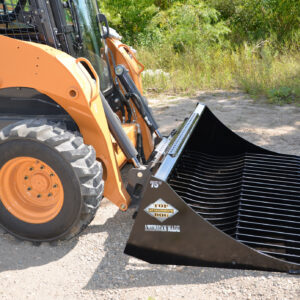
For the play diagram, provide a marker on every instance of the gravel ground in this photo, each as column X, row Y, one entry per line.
column 93, row 265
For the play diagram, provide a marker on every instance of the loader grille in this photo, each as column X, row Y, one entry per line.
column 254, row 198
column 18, row 21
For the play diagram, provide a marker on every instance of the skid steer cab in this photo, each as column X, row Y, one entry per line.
column 73, row 114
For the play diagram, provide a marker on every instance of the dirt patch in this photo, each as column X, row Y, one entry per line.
column 93, row 265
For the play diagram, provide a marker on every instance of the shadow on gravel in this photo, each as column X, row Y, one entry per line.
column 18, row 255
column 117, row 270
column 273, row 127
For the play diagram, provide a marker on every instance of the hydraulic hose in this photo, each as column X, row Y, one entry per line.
column 137, row 98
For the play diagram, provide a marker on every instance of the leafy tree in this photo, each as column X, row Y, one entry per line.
column 188, row 24
column 253, row 20
column 129, row 17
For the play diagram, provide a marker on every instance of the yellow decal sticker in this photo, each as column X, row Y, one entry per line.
column 161, row 210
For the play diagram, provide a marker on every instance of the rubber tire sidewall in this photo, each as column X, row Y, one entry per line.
column 72, row 205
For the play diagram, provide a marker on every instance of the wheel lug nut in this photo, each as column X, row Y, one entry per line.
column 26, row 177
column 42, row 167
column 55, row 185
column 31, row 169
column 39, row 196
column 29, row 189
column 50, row 194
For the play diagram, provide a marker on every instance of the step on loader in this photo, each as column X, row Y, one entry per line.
column 73, row 114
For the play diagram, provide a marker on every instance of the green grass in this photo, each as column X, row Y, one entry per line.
column 259, row 71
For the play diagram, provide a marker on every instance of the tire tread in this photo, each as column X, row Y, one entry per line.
column 81, row 157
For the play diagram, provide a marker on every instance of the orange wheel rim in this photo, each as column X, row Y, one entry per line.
column 30, row 190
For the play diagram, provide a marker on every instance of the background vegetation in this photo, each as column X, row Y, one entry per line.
column 210, row 44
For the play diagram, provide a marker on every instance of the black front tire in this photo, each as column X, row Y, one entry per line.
column 74, row 162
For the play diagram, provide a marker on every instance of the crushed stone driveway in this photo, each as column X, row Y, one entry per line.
column 93, row 266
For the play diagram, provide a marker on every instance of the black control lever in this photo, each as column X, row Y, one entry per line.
column 102, row 19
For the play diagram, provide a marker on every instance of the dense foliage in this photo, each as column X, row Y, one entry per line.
column 189, row 22
column 258, row 37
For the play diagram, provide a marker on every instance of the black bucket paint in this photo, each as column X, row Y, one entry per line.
column 218, row 200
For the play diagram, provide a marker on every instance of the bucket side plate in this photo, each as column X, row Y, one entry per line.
column 188, row 239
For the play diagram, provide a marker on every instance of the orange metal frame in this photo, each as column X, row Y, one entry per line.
column 67, row 82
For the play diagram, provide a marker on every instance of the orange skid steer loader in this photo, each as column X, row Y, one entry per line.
column 73, row 114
